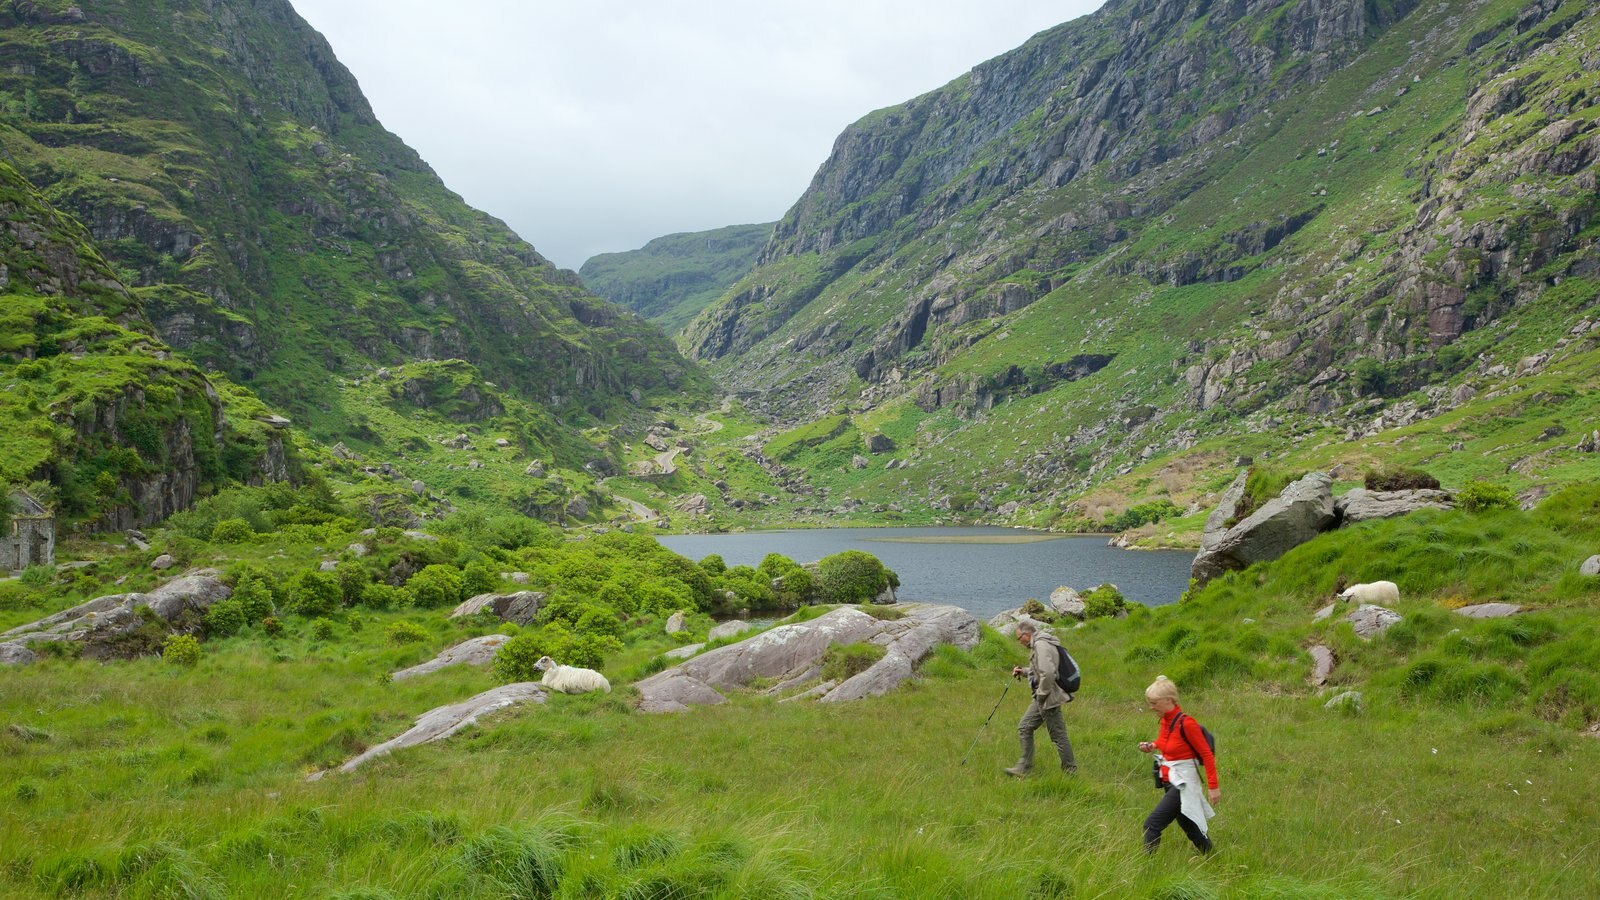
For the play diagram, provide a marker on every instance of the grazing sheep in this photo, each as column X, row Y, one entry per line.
column 1375, row 592
column 570, row 679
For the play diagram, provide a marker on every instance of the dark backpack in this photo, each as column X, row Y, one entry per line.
column 1068, row 675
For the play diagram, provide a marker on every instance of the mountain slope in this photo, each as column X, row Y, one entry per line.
column 672, row 278
column 1157, row 232
column 237, row 179
column 112, row 429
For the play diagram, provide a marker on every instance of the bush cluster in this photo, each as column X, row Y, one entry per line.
column 181, row 650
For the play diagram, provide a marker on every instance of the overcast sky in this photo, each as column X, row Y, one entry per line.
column 595, row 125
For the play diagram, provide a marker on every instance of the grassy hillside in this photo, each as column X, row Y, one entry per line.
column 1464, row 771
column 231, row 172
column 672, row 278
column 1135, row 261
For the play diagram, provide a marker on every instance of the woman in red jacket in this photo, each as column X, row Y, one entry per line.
column 1181, row 748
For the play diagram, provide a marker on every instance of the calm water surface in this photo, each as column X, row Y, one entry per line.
column 982, row 569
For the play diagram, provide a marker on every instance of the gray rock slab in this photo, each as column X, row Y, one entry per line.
column 728, row 629
column 1302, row 511
column 164, row 561
column 16, row 655
column 1323, row 613
column 103, row 619
column 789, row 650
column 1489, row 610
column 683, row 652
column 1370, row 621
column 519, row 607
column 438, row 724
column 1066, row 601
column 1590, row 566
column 478, row 651
column 1362, row 505
column 1321, row 665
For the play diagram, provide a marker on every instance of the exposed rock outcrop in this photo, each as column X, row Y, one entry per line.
column 121, row 625
column 1370, row 621
column 1489, row 610
column 478, row 651
column 793, row 653
column 519, row 607
column 438, row 724
column 1304, row 510
column 1361, row 505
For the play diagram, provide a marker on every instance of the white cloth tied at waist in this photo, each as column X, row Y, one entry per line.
column 1184, row 774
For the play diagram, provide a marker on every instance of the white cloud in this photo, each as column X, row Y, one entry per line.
column 595, row 126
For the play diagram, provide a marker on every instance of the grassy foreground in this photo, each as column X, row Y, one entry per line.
column 1466, row 772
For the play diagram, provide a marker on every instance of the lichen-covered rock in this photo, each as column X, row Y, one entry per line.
column 16, row 655
column 1301, row 512
column 1067, row 602
column 728, row 629
column 478, row 651
column 1489, row 610
column 163, row 562
column 519, row 607
column 1590, row 566
column 438, row 724
column 1370, row 621
column 1362, row 505
column 675, row 623
column 103, row 624
column 788, row 651
column 1347, row 701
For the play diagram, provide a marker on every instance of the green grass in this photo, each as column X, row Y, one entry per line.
column 142, row 777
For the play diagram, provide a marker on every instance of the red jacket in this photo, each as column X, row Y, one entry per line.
column 1171, row 743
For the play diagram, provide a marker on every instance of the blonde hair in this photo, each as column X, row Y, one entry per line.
column 1162, row 689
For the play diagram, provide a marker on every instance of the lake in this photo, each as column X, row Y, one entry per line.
column 982, row 569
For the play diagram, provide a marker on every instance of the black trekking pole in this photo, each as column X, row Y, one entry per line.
column 986, row 723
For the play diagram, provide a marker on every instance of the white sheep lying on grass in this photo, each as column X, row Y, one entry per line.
column 570, row 679
column 1375, row 592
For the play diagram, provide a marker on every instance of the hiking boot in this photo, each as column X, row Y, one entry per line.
column 1017, row 771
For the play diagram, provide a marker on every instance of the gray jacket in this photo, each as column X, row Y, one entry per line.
column 1042, row 664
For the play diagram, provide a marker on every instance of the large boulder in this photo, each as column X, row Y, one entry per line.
column 1066, row 602
column 728, row 629
column 107, row 625
column 675, row 623
column 1361, row 505
column 1304, row 510
column 478, row 651
column 793, row 654
column 1370, row 621
column 438, row 724
column 16, row 655
column 519, row 607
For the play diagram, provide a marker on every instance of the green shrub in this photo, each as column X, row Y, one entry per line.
column 713, row 565
column 14, row 595
column 37, row 576
column 436, row 586
column 271, row 626
column 378, row 595
column 322, row 629
column 842, row 661
column 479, row 578
column 353, row 578
column 314, row 594
column 224, row 618
column 232, row 531
column 1104, row 601
column 254, row 598
column 1476, row 496
column 409, row 633
column 601, row 621
column 851, row 577
column 181, row 650
column 516, row 657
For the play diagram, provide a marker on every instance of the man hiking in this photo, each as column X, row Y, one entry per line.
column 1043, row 662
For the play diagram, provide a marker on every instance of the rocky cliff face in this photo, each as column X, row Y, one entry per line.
column 96, row 405
column 236, row 178
column 1270, row 216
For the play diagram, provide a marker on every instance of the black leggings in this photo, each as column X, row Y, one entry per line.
column 1169, row 807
